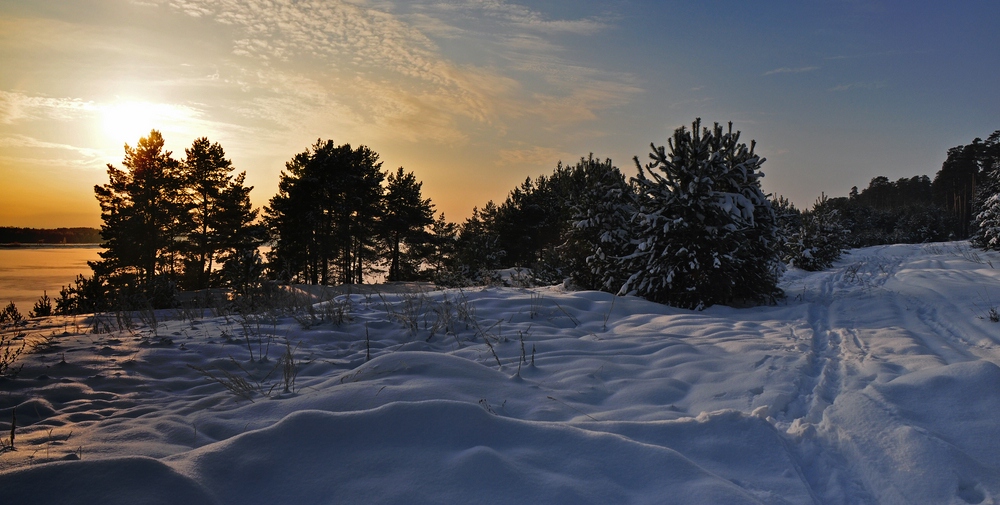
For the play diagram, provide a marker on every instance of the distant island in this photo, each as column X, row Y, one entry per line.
column 12, row 235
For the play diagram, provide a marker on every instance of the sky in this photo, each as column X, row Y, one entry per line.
column 474, row 96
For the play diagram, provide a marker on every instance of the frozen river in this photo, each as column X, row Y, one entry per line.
column 27, row 271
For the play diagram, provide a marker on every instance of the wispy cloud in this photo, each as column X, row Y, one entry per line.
column 24, row 141
column 377, row 66
column 791, row 70
column 859, row 85
column 15, row 106
column 536, row 155
column 37, row 152
column 524, row 17
column 863, row 55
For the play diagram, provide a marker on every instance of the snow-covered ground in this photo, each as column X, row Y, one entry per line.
column 874, row 382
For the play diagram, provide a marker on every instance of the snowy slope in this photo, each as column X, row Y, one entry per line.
column 873, row 382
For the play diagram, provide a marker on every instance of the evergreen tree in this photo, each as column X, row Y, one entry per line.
column 324, row 220
column 789, row 221
column 820, row 239
column 534, row 228
column 955, row 185
column 407, row 216
column 237, row 234
column 988, row 224
column 441, row 256
column 984, row 227
column 143, row 216
column 704, row 232
column 478, row 250
column 220, row 215
column 598, row 233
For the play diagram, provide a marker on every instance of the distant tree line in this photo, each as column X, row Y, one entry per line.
column 961, row 202
column 692, row 228
column 11, row 235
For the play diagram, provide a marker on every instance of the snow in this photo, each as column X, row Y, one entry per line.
column 875, row 381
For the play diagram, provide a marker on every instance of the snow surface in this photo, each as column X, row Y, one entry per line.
column 875, row 381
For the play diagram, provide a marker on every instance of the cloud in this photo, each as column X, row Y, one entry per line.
column 374, row 67
column 533, row 156
column 788, row 70
column 863, row 55
column 16, row 106
column 523, row 17
column 52, row 154
column 23, row 141
column 859, row 85
column 85, row 165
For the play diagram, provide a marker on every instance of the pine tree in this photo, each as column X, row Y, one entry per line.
column 988, row 224
column 407, row 216
column 143, row 216
column 820, row 239
column 597, row 235
column 220, row 216
column 478, row 248
column 704, row 231
column 984, row 227
column 324, row 219
column 237, row 232
column 443, row 246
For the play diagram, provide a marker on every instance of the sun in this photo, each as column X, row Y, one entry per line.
column 127, row 121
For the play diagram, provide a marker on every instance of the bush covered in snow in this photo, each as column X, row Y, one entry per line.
column 819, row 240
column 703, row 232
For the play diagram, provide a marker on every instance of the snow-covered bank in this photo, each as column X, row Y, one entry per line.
column 873, row 382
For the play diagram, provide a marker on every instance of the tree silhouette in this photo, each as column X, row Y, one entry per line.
column 142, row 210
column 220, row 216
column 405, row 221
column 324, row 218
column 955, row 184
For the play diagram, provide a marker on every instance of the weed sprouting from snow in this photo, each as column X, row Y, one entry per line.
column 486, row 405
column 288, row 370
column 244, row 384
column 988, row 309
column 534, row 303
column 235, row 384
column 607, row 315
column 10, row 351
column 968, row 254
column 524, row 359
column 13, row 429
column 336, row 311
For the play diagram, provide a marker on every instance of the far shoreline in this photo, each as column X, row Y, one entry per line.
column 45, row 245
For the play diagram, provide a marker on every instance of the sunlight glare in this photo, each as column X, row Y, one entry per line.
column 127, row 121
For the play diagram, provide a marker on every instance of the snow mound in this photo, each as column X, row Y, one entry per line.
column 446, row 452
column 117, row 481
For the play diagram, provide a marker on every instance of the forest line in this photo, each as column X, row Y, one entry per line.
column 692, row 228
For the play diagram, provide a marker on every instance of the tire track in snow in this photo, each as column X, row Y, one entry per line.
column 826, row 356
column 819, row 381
column 823, row 381
column 949, row 345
